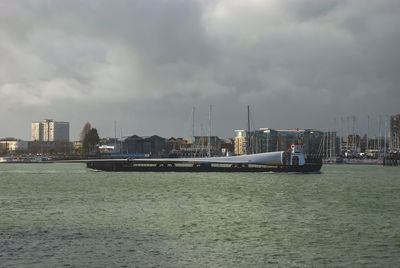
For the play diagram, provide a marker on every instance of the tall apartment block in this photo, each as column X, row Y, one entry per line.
column 395, row 132
column 50, row 130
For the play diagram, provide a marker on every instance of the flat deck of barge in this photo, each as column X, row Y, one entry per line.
column 130, row 166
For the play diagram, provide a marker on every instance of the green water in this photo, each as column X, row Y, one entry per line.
column 57, row 215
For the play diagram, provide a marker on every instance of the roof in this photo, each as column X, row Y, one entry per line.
column 134, row 137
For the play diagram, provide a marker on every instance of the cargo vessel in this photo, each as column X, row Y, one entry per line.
column 293, row 160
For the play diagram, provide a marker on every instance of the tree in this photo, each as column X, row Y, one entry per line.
column 90, row 141
column 85, row 130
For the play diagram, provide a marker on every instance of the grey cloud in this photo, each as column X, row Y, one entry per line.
column 146, row 63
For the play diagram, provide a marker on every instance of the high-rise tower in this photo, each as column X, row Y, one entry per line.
column 50, row 130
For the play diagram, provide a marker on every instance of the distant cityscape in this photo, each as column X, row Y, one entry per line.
column 52, row 138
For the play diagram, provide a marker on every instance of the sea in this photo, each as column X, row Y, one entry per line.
column 65, row 215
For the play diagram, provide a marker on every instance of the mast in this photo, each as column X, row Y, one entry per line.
column 193, row 122
column 115, row 135
column 385, row 126
column 354, row 135
column 209, row 133
column 342, row 127
column 367, row 148
column 334, row 138
column 330, row 142
column 323, row 144
column 193, row 143
column 249, row 147
column 347, row 133
column 120, row 143
column 379, row 138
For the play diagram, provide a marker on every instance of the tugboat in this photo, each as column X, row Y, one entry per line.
column 293, row 160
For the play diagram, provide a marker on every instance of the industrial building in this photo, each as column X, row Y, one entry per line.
column 148, row 145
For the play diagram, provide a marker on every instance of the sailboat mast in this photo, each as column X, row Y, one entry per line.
column 120, row 143
column 249, row 147
column 115, row 135
column 193, row 143
column 385, row 126
column 367, row 150
column 193, row 122
column 209, row 133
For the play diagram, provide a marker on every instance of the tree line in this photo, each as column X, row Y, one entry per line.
column 89, row 138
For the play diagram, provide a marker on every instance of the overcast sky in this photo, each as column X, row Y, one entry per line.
column 146, row 63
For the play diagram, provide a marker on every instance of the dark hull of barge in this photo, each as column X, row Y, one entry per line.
column 126, row 166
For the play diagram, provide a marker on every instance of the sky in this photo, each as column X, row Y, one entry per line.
column 145, row 64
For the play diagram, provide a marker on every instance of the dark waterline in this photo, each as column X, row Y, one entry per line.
column 58, row 215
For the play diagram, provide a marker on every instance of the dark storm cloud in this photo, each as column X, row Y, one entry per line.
column 146, row 63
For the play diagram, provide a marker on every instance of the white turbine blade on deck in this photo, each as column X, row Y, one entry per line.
column 271, row 158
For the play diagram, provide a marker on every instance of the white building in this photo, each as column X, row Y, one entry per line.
column 37, row 131
column 14, row 145
column 50, row 130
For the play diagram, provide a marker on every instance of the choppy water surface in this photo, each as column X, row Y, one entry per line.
column 66, row 215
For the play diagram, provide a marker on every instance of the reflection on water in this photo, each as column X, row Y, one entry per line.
column 67, row 215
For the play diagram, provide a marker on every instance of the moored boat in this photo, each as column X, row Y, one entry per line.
column 24, row 160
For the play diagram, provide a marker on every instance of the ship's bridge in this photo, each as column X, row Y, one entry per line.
column 297, row 148
column 297, row 154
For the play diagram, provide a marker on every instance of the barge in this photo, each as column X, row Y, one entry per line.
column 293, row 160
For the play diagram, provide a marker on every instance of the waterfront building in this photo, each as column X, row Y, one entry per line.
column 154, row 145
column 50, row 147
column 200, row 145
column 77, row 146
column 270, row 140
column 149, row 145
column 176, row 145
column 395, row 132
column 132, row 145
column 241, row 141
column 227, row 146
column 257, row 141
column 37, row 131
column 352, row 144
column 13, row 145
column 110, row 146
column 50, row 130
